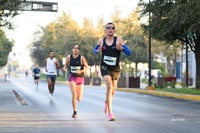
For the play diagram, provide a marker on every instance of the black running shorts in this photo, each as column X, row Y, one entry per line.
column 114, row 73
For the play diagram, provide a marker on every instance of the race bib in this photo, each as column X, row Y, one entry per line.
column 74, row 69
column 37, row 75
column 110, row 60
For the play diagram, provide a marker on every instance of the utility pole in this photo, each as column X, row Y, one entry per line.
column 186, row 60
column 149, row 51
column 149, row 87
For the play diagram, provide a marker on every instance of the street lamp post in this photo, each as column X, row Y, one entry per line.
column 150, row 87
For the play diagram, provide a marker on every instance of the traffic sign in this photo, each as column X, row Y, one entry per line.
column 39, row 6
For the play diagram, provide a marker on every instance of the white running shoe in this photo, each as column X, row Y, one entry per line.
column 50, row 96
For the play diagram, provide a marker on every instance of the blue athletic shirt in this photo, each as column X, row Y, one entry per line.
column 36, row 71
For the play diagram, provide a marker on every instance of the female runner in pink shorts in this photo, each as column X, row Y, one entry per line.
column 77, row 65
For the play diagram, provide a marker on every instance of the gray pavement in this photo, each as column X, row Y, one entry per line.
column 10, row 98
column 136, row 116
column 7, row 97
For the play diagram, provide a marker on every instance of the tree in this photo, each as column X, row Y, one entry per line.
column 173, row 20
column 88, row 38
column 5, row 48
column 61, row 34
column 58, row 35
column 8, row 10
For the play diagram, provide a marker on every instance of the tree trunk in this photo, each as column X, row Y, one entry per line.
column 197, row 56
column 136, row 69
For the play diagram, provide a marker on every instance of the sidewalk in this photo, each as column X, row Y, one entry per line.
column 162, row 93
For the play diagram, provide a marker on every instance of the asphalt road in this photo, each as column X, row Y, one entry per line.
column 135, row 113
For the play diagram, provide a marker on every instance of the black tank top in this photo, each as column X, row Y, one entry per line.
column 75, row 65
column 110, row 55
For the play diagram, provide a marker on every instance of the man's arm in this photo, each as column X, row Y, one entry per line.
column 98, row 46
column 45, row 65
column 120, row 43
column 123, row 47
column 57, row 63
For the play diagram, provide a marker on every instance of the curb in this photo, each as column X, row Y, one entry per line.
column 157, row 93
column 161, row 93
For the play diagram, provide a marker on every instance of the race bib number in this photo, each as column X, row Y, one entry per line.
column 110, row 60
column 74, row 69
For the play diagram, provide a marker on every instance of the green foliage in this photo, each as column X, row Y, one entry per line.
column 8, row 9
column 160, row 66
column 5, row 48
column 61, row 34
column 181, row 90
column 172, row 20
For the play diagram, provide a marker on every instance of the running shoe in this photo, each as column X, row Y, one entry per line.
column 111, row 117
column 74, row 115
column 106, row 107
column 50, row 96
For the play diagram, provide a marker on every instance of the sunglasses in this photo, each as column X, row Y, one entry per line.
column 110, row 27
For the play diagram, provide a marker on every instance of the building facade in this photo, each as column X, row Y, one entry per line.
column 181, row 67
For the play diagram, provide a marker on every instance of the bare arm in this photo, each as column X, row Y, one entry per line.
column 100, row 43
column 120, row 43
column 85, row 68
column 66, row 63
column 45, row 65
column 84, row 61
column 123, row 47
column 57, row 63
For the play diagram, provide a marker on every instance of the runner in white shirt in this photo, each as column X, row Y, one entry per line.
column 51, row 65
